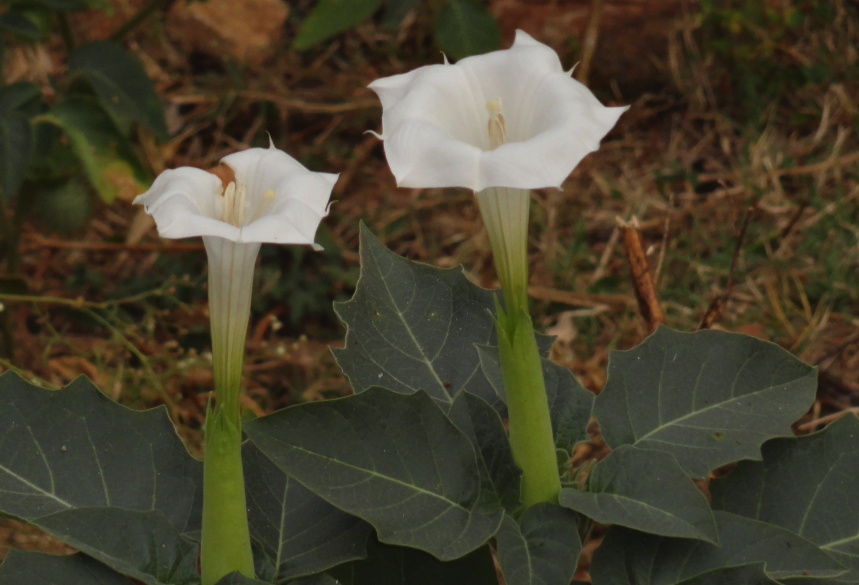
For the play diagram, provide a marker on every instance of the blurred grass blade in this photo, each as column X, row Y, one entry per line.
column 466, row 27
column 15, row 143
column 331, row 17
column 105, row 153
column 28, row 22
column 121, row 84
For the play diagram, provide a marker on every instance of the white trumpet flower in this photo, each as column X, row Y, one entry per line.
column 435, row 121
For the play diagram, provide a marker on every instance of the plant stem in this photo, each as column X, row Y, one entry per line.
column 66, row 31
column 226, row 545
column 505, row 213
column 138, row 18
column 530, row 424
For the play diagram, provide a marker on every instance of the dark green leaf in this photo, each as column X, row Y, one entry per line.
column 236, row 578
column 542, row 548
column 396, row 11
column 396, row 565
column 645, row 490
column 321, row 579
column 412, row 327
column 65, row 465
column 330, row 17
column 23, row 95
column 121, row 84
column 394, row 460
column 466, row 27
column 629, row 557
column 804, row 485
column 709, row 397
column 570, row 404
column 62, row 5
column 26, row 21
column 63, row 208
column 143, row 545
column 15, row 145
column 35, row 568
column 479, row 421
column 300, row 533
column 752, row 574
column 106, row 155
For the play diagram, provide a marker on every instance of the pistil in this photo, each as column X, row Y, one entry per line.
column 497, row 126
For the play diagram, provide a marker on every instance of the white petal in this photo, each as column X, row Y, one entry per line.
column 182, row 202
column 435, row 118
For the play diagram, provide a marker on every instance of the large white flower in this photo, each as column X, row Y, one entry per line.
column 438, row 120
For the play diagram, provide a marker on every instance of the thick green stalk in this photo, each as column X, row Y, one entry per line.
column 505, row 213
column 530, row 425
column 225, row 545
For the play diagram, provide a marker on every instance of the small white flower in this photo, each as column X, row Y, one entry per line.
column 511, row 118
column 255, row 196
column 259, row 195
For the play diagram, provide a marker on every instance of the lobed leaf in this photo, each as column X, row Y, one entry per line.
column 628, row 557
column 121, row 84
column 66, row 457
column 708, row 398
column 645, row 490
column 804, row 484
column 394, row 460
column 479, row 421
column 299, row 532
column 37, row 568
column 413, row 327
column 541, row 548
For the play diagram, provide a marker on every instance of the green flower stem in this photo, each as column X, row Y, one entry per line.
column 530, row 425
column 226, row 544
column 505, row 213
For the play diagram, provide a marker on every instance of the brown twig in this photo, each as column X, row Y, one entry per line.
column 642, row 279
column 112, row 246
column 718, row 303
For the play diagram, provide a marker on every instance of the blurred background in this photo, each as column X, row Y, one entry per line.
column 739, row 158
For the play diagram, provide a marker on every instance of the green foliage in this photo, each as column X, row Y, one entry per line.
column 541, row 548
column 755, row 41
column 645, row 490
column 466, row 27
column 104, row 152
column 121, row 84
column 15, row 146
column 298, row 532
column 419, row 473
column 330, row 17
column 397, row 565
column 35, row 568
column 803, row 485
column 627, row 556
column 462, row 27
column 414, row 327
column 71, row 478
column 708, row 398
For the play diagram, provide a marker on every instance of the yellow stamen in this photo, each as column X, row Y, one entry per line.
column 234, row 205
column 497, row 127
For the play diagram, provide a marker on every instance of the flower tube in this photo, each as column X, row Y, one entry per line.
column 499, row 124
column 255, row 196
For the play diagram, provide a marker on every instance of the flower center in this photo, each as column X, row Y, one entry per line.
column 235, row 204
column 497, row 127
